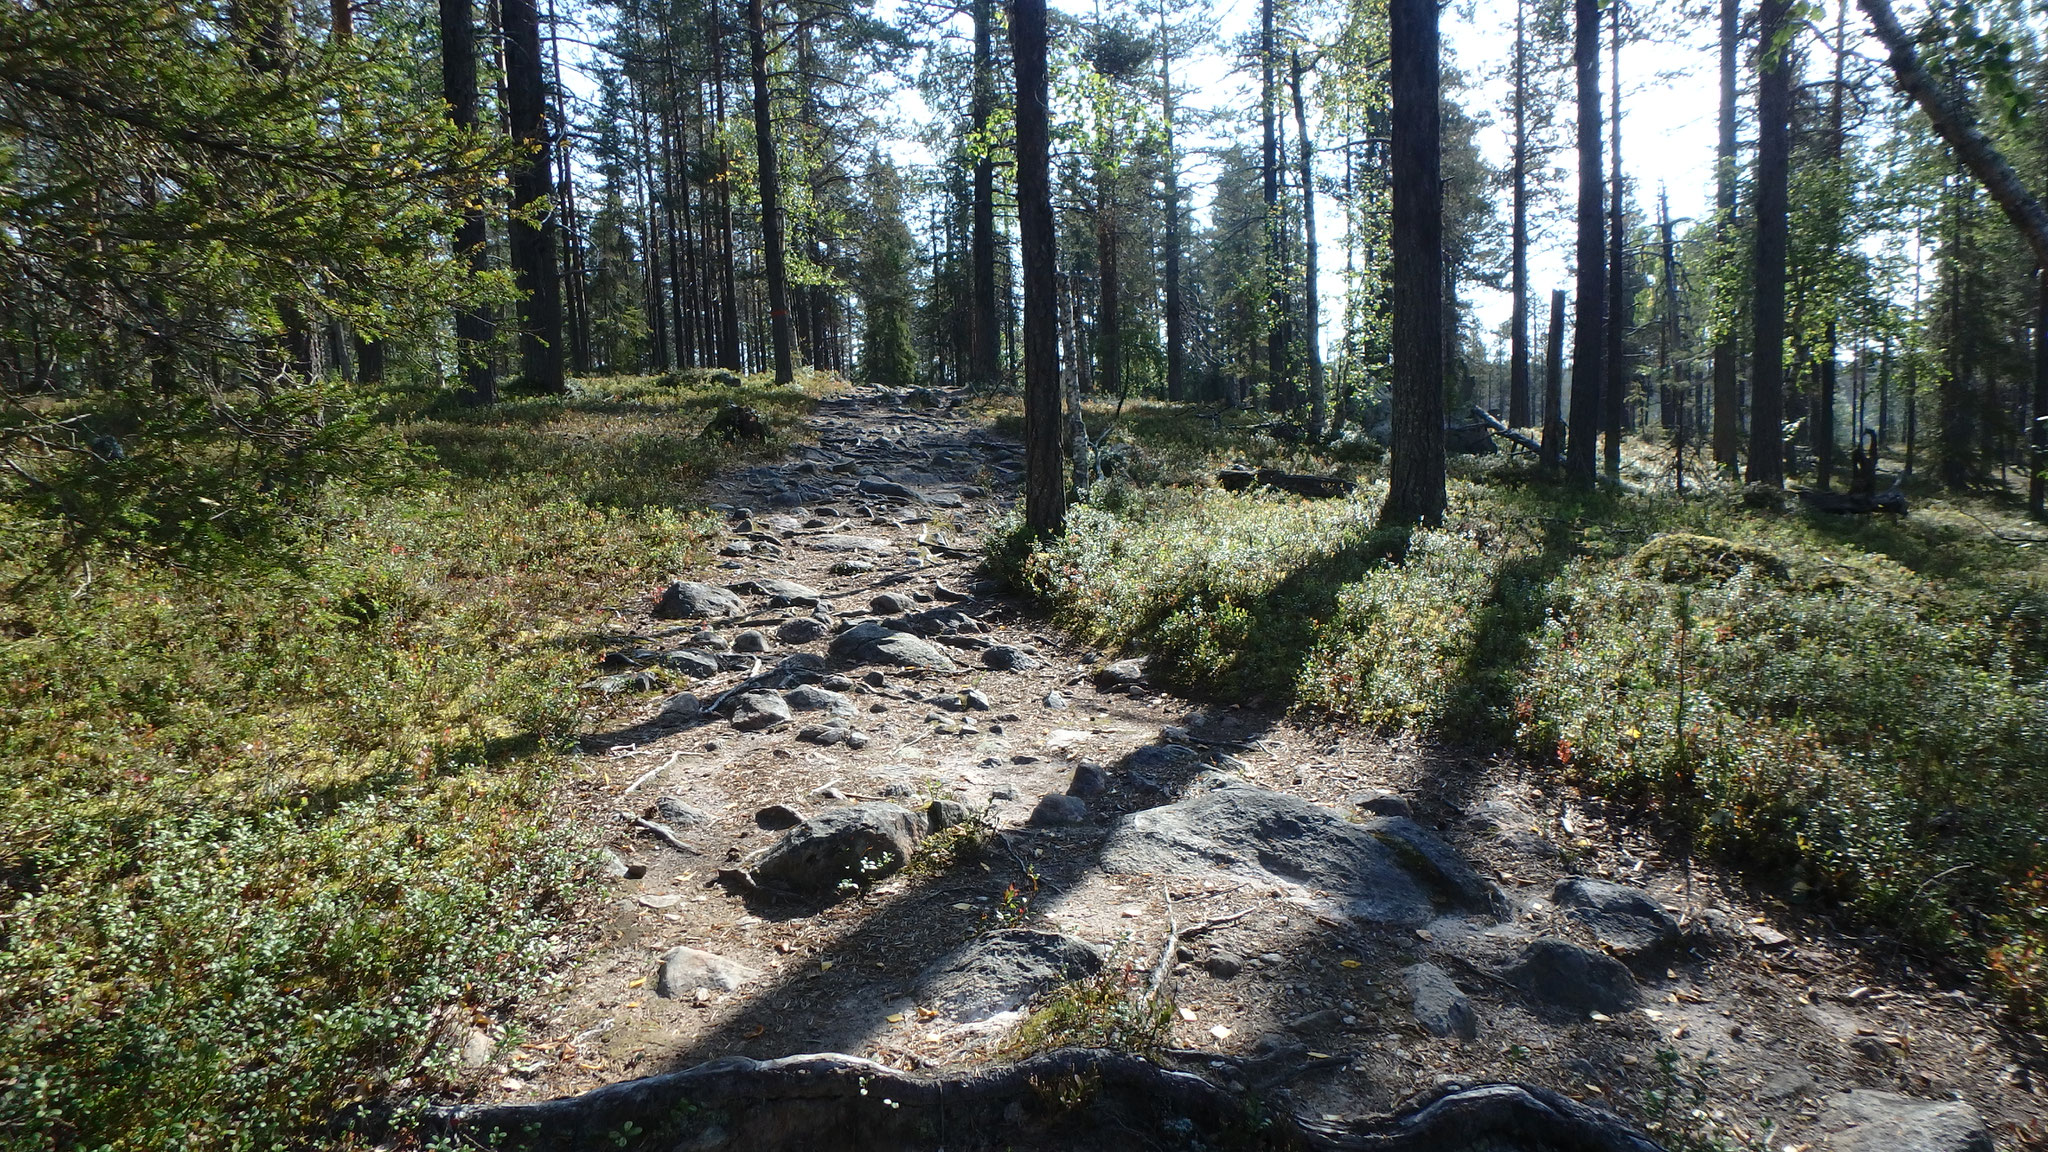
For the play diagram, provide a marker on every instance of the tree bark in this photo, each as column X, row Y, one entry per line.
column 1773, row 171
column 1045, row 495
column 1553, row 382
column 532, row 231
column 770, row 174
column 474, row 325
column 1519, row 415
column 1415, row 487
column 1318, row 393
column 1619, row 299
column 1176, row 333
column 1589, row 341
column 984, row 357
column 1279, row 389
column 1727, row 386
column 2037, row 482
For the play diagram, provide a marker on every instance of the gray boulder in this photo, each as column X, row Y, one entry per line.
column 696, row 665
column 752, row 640
column 1560, row 974
column 684, row 970
column 801, row 630
column 858, row 845
column 781, row 593
column 687, row 599
column 1055, row 809
column 754, row 711
column 1003, row 971
column 1865, row 1121
column 1008, row 658
column 811, row 698
column 1384, row 871
column 1625, row 920
column 873, row 643
column 1438, row 1004
column 1121, row 672
column 889, row 604
column 833, row 542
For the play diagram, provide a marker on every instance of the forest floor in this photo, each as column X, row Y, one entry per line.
column 1358, row 919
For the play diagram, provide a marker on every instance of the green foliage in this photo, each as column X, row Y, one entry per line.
column 273, row 839
column 1863, row 703
column 1111, row 1009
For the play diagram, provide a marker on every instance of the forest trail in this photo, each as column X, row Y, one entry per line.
column 1359, row 921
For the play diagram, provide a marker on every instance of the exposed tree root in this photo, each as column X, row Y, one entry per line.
column 1071, row 1099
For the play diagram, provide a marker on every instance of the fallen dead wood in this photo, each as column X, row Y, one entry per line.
column 1855, row 503
column 1072, row 1099
column 1500, row 428
column 1313, row 487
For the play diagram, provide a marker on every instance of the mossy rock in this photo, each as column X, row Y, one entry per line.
column 1688, row 558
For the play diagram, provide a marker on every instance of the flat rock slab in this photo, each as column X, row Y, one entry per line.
column 834, row 542
column 1865, row 1121
column 873, row 643
column 858, row 845
column 684, row 970
column 1003, row 971
column 1438, row 1004
column 1384, row 871
column 1625, row 920
column 781, row 593
column 811, row 698
column 1560, row 974
column 754, row 711
column 689, row 600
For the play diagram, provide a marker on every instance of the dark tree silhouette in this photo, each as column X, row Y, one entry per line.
column 1415, row 489
column 1045, row 495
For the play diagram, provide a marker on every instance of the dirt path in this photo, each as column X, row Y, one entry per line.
column 1361, row 920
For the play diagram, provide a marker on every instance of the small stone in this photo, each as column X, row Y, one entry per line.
column 1316, row 1021
column 1438, row 1004
column 1625, row 920
column 941, row 814
column 1223, row 965
column 1056, row 701
column 888, row 604
column 811, row 698
column 857, row 740
column 477, row 1048
column 1089, row 780
column 686, row 598
column 752, row 640
column 1380, row 802
column 1008, row 658
column 684, row 971
column 776, row 817
column 1003, row 792
column 681, row 706
column 876, row 678
column 1121, row 673
column 851, row 567
column 801, row 630
column 1054, row 809
column 755, row 711
column 872, row 643
column 1564, row 975
column 976, row 699
column 841, row 849
column 781, row 593
column 677, row 814
column 1867, row 1121
column 824, row 735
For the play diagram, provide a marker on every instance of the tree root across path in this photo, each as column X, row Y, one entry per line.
column 1070, row 1099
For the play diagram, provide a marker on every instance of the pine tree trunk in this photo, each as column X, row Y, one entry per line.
column 1589, row 340
column 1519, row 415
column 1727, row 385
column 1415, row 487
column 770, row 174
column 1045, row 494
column 1619, row 299
column 1773, row 170
column 985, row 359
column 532, row 232
column 1279, row 389
column 1318, row 392
column 1553, row 382
column 2037, row 482
column 1109, row 316
column 1176, row 335
column 474, row 326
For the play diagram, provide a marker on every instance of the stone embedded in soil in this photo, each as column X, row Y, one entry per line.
column 687, row 599
column 942, row 814
column 1625, row 920
column 873, row 643
column 889, row 604
column 1054, row 809
column 776, row 817
column 1383, row 803
column 876, row 486
column 684, row 970
column 1865, row 1121
column 801, row 630
column 1223, row 965
column 811, row 698
column 781, row 593
column 1003, row 971
column 1561, row 974
column 752, row 640
column 696, row 665
column 754, row 711
column 1437, row 1003
column 1159, row 758
column 1089, row 780
column 683, row 706
column 1008, row 658
column 833, row 542
column 861, row 844
column 1120, row 673
column 677, row 814
column 1382, row 871
column 1056, row 701
column 851, row 568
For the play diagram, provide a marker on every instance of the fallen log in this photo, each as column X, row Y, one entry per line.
column 1500, row 428
column 1082, row 1099
column 1312, row 487
column 1891, row 500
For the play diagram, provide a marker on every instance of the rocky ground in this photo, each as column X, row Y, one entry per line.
column 1355, row 921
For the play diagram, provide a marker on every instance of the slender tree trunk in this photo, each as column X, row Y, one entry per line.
column 1109, row 313
column 1176, row 334
column 1415, row 486
column 985, row 360
column 1727, row 385
column 1553, row 382
column 1280, row 390
column 1045, row 495
column 1824, row 432
column 2037, row 480
column 1589, row 340
column 1518, row 331
column 1619, row 298
column 1773, row 170
column 532, row 230
column 576, row 330
column 770, row 174
column 474, row 325
column 1318, row 392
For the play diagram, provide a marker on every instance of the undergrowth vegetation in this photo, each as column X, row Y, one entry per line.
column 1850, row 708
column 277, row 825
